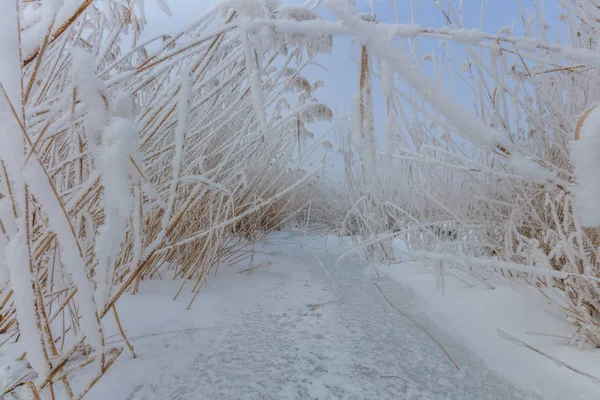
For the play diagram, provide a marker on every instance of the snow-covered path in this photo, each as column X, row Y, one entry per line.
column 286, row 331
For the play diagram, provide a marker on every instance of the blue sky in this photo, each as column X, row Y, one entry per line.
column 342, row 79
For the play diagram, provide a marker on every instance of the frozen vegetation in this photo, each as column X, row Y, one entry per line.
column 145, row 180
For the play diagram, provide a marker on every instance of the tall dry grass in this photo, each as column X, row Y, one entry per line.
column 126, row 159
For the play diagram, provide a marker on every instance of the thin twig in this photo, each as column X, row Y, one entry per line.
column 420, row 326
column 558, row 362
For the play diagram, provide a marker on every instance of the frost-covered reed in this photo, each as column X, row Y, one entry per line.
column 124, row 159
column 511, row 182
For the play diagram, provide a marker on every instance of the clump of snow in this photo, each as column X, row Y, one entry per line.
column 122, row 105
column 90, row 89
column 244, row 8
column 164, row 7
column 296, row 12
column 531, row 170
column 37, row 22
column 405, row 31
column 115, row 155
column 119, row 142
column 468, row 36
column 585, row 156
column 41, row 187
column 22, row 282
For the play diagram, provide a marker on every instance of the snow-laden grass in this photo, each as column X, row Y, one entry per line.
column 512, row 326
column 124, row 160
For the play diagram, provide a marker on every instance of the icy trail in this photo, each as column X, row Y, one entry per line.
column 284, row 331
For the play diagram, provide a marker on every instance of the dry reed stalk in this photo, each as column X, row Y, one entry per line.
column 105, row 367
column 514, row 340
column 123, row 332
column 62, row 29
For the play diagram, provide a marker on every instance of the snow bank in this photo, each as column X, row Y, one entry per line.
column 476, row 312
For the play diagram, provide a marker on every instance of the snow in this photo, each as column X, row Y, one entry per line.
column 22, row 282
column 468, row 36
column 296, row 12
column 90, row 89
column 38, row 22
column 183, row 113
column 530, row 170
column 244, row 8
column 585, row 156
column 122, row 105
column 10, row 65
column 119, row 144
column 482, row 313
column 297, row 327
column 483, row 262
column 164, row 7
column 71, row 253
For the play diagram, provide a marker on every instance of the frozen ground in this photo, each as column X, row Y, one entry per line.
column 284, row 331
column 296, row 327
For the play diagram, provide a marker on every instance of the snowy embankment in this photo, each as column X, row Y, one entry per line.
column 298, row 327
column 507, row 324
